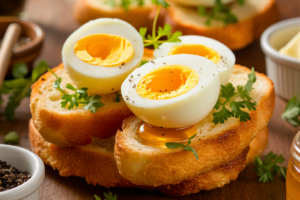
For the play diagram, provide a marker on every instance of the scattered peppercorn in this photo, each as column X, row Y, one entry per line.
column 11, row 177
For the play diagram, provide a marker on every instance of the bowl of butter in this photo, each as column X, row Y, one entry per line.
column 281, row 45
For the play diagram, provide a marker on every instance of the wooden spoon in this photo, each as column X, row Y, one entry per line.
column 10, row 38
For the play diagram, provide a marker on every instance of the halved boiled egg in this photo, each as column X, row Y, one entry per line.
column 195, row 3
column 209, row 48
column 174, row 91
column 101, row 54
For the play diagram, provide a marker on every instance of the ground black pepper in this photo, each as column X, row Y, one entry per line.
column 11, row 177
column 21, row 41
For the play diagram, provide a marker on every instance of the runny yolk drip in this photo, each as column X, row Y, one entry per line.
column 104, row 50
column 167, row 82
column 196, row 49
column 158, row 136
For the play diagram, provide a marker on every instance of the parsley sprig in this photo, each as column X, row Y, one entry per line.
column 124, row 3
column 108, row 196
column 174, row 145
column 11, row 138
column 268, row 168
column 166, row 31
column 143, row 62
column 219, row 12
column 228, row 95
column 20, row 87
column 80, row 96
column 119, row 97
column 292, row 112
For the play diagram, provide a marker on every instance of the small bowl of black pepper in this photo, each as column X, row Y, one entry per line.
column 29, row 45
column 21, row 173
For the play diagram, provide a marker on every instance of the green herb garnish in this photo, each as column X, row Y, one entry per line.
column 267, row 169
column 292, row 112
column 124, row 3
column 227, row 96
column 119, row 97
column 11, row 138
column 80, row 96
column 161, row 32
column 20, row 70
column 174, row 145
column 219, row 12
column 108, row 196
column 19, row 87
column 143, row 62
column 241, row 2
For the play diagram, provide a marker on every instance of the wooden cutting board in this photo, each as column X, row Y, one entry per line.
column 56, row 18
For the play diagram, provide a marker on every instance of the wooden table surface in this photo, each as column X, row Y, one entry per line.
column 56, row 18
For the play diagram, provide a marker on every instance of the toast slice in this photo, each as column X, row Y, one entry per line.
column 216, row 144
column 95, row 162
column 65, row 127
column 137, row 16
column 253, row 18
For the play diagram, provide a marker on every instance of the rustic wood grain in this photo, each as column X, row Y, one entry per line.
column 56, row 18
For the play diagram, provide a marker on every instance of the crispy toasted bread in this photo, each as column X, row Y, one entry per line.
column 95, row 162
column 77, row 126
column 253, row 18
column 137, row 16
column 154, row 166
column 258, row 145
column 196, row 3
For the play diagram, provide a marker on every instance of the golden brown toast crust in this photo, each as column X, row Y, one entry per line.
column 218, row 177
column 163, row 167
column 235, row 36
column 74, row 129
column 101, row 169
column 74, row 161
column 136, row 16
column 258, row 145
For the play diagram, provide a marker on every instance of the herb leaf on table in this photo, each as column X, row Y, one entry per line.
column 11, row 138
column 19, row 87
column 108, row 196
column 267, row 169
column 292, row 112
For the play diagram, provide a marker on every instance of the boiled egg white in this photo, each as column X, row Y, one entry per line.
column 101, row 53
column 196, row 3
column 212, row 49
column 174, row 91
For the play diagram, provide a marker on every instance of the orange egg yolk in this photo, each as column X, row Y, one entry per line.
column 104, row 50
column 159, row 136
column 196, row 49
column 167, row 82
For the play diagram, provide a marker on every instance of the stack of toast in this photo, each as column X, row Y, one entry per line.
column 104, row 149
column 253, row 17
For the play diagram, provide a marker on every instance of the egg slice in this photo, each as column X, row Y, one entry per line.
column 196, row 3
column 209, row 48
column 174, row 91
column 101, row 53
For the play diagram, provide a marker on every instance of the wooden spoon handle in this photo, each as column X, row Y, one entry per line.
column 10, row 38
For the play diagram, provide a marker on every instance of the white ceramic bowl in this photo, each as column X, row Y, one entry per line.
column 23, row 160
column 283, row 70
